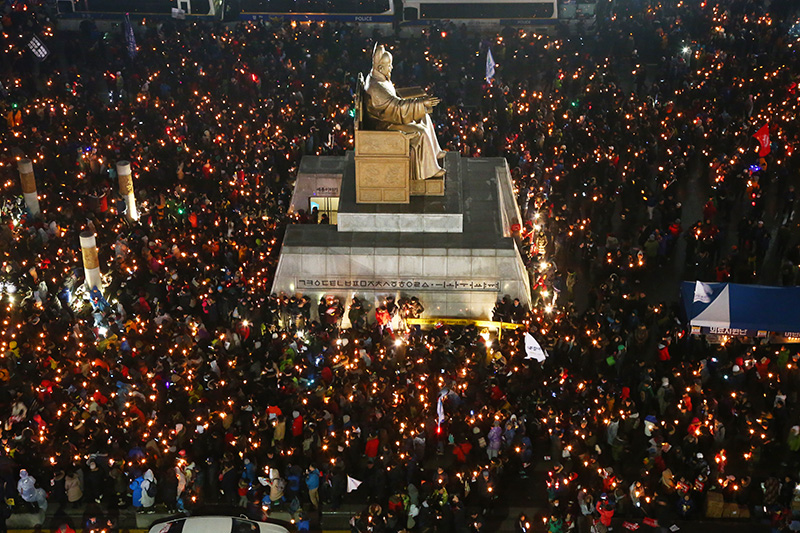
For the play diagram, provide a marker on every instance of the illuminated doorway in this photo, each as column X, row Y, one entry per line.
column 326, row 206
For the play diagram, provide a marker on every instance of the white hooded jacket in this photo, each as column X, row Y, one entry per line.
column 26, row 486
column 149, row 479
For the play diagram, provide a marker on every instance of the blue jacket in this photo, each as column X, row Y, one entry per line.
column 136, row 487
column 312, row 480
column 294, row 482
column 249, row 473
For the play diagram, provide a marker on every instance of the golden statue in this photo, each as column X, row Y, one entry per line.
column 405, row 110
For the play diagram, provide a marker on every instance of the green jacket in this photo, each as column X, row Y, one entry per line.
column 555, row 525
column 793, row 441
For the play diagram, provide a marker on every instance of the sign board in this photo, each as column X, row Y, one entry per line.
column 38, row 48
column 280, row 18
column 730, row 332
column 415, row 284
column 326, row 192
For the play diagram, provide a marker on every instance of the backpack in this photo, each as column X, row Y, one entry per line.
column 294, row 505
column 151, row 489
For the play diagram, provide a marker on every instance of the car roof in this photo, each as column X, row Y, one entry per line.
column 203, row 524
column 215, row 524
column 198, row 524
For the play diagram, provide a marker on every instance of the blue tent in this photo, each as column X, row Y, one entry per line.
column 733, row 309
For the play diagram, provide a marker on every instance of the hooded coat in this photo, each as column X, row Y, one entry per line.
column 72, row 484
column 136, row 489
column 495, row 438
column 149, row 479
column 26, row 486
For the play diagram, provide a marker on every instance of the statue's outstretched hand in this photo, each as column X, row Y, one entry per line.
column 431, row 101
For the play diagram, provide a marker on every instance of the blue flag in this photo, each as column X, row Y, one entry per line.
column 130, row 38
column 490, row 64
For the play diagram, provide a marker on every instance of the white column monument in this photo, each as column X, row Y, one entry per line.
column 25, row 167
column 91, row 263
column 126, row 189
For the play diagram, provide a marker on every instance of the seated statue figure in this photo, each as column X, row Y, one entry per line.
column 388, row 111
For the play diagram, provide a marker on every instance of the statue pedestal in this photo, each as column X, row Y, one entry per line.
column 382, row 167
column 428, row 187
column 455, row 252
column 383, row 170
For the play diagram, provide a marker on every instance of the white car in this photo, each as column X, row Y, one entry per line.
column 216, row 524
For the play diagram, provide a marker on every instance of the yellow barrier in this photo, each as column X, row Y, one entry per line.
column 462, row 322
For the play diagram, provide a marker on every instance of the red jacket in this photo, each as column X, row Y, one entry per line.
column 663, row 353
column 605, row 514
column 372, row 448
column 297, row 426
column 461, row 451
column 383, row 317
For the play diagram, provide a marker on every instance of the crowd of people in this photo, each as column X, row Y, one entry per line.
column 187, row 382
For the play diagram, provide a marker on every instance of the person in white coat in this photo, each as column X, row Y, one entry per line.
column 148, row 488
column 26, row 486
column 180, row 488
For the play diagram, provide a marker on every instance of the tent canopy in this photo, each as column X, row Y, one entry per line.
column 733, row 309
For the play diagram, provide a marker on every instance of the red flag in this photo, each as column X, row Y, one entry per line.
column 650, row 522
column 762, row 135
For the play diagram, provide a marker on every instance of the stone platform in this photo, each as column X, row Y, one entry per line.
column 455, row 252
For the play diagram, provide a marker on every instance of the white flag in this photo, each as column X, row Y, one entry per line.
column 352, row 484
column 130, row 38
column 490, row 64
column 702, row 293
column 533, row 349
